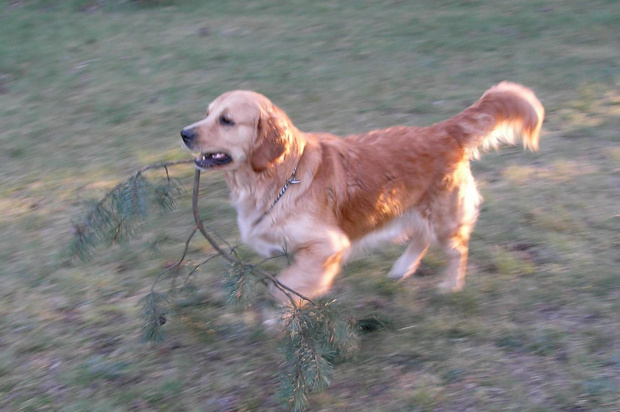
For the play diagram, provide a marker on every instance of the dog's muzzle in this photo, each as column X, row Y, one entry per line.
column 208, row 159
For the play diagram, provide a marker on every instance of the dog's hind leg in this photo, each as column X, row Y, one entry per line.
column 408, row 262
column 454, row 222
column 456, row 250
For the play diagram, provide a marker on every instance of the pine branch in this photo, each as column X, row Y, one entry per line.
column 166, row 194
column 153, row 310
column 198, row 267
column 314, row 336
column 239, row 284
column 116, row 217
column 177, row 264
column 315, row 333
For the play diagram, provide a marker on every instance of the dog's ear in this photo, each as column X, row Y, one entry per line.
column 271, row 139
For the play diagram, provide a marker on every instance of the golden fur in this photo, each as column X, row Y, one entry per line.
column 404, row 184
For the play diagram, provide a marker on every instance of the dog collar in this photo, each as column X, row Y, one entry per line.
column 290, row 181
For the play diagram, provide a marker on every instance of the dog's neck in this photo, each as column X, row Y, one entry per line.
column 257, row 192
column 292, row 180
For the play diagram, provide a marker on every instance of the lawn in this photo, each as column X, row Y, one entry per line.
column 92, row 90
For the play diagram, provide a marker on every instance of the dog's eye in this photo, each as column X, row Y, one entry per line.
column 225, row 121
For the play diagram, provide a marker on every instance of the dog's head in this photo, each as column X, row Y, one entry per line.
column 242, row 128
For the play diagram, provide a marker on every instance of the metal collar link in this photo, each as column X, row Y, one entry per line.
column 290, row 181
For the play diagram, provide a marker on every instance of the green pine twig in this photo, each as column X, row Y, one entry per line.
column 315, row 333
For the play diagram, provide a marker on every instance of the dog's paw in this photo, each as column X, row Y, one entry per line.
column 399, row 274
column 402, row 270
column 395, row 275
column 448, row 286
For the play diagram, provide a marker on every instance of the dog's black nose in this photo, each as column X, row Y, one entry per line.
column 188, row 136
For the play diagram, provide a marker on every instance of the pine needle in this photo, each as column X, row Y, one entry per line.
column 153, row 310
column 116, row 218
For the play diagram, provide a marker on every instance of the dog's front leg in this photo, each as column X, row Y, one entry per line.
column 315, row 265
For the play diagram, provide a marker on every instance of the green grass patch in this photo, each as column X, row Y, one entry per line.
column 90, row 91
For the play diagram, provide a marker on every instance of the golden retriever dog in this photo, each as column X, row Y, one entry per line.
column 319, row 196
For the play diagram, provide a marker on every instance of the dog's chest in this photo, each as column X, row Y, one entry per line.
column 266, row 240
column 258, row 229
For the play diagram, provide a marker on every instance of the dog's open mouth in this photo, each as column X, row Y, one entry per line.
column 206, row 160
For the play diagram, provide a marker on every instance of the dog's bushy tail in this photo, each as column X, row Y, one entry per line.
column 505, row 112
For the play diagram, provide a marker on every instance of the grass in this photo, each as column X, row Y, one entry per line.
column 91, row 90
